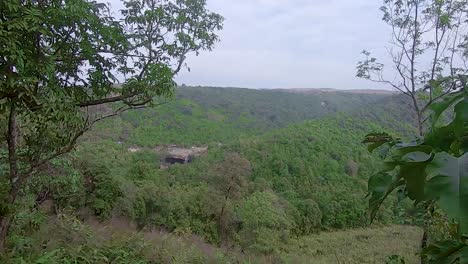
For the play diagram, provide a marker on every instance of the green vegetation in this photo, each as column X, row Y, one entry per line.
column 204, row 115
column 256, row 195
column 278, row 176
column 431, row 171
column 419, row 57
column 372, row 245
column 61, row 60
column 68, row 240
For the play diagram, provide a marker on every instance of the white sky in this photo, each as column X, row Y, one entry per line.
column 290, row 44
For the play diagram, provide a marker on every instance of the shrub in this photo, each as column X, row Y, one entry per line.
column 60, row 182
column 264, row 221
column 308, row 217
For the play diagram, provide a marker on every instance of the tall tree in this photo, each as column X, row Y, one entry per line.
column 428, row 41
column 230, row 177
column 60, row 60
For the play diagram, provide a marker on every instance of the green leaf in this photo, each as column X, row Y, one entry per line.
column 417, row 156
column 461, row 117
column 415, row 177
column 376, row 140
column 380, row 186
column 449, row 184
column 444, row 19
column 418, row 153
column 447, row 252
column 439, row 108
column 384, row 150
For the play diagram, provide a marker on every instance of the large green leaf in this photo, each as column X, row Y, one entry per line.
column 449, row 184
column 417, row 156
column 434, row 169
column 440, row 107
column 380, row 186
column 447, row 252
column 452, row 138
column 442, row 138
column 412, row 153
column 461, row 117
column 376, row 140
column 415, row 177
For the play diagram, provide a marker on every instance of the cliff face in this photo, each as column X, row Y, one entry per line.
column 173, row 154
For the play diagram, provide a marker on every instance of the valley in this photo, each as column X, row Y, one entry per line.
column 260, row 173
column 126, row 136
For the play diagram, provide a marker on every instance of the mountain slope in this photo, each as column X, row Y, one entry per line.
column 203, row 115
column 271, row 184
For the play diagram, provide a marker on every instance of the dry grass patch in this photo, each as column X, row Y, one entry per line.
column 371, row 245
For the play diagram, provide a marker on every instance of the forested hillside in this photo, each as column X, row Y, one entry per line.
column 202, row 115
column 263, row 184
column 106, row 158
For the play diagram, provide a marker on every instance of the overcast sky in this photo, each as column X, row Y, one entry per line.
column 290, row 44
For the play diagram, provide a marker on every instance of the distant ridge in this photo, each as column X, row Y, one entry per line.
column 331, row 90
column 302, row 90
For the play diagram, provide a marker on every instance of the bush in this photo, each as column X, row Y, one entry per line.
column 105, row 194
column 308, row 217
column 61, row 183
column 265, row 222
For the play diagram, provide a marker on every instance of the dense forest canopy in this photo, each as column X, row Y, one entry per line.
column 307, row 177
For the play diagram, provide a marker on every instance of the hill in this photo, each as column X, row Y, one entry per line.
column 331, row 90
column 203, row 115
column 257, row 194
column 262, row 189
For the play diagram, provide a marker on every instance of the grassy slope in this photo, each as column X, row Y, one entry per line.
column 357, row 246
column 117, row 242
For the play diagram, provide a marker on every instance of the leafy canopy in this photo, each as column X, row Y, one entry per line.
column 61, row 59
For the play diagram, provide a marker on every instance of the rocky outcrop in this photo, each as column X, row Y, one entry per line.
column 134, row 149
column 352, row 168
column 173, row 154
column 178, row 155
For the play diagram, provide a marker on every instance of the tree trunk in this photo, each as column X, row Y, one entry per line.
column 15, row 181
column 5, row 220
column 424, row 240
column 221, row 232
column 424, row 245
column 4, row 225
column 420, row 120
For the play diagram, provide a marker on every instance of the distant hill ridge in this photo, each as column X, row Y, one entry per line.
column 204, row 115
column 331, row 90
column 303, row 90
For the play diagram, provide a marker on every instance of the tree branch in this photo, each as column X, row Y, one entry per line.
column 108, row 99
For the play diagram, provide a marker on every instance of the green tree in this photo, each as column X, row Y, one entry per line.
column 432, row 171
column 231, row 179
column 61, row 61
column 265, row 221
column 428, row 41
